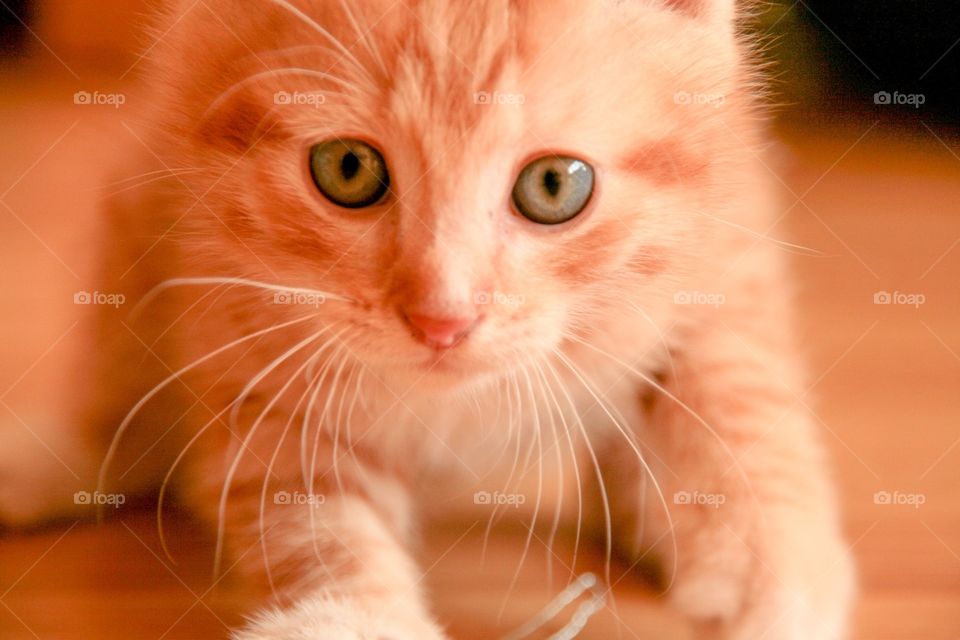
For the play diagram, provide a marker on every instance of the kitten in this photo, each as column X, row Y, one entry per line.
column 390, row 229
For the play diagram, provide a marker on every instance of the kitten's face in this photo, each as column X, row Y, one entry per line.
column 452, row 268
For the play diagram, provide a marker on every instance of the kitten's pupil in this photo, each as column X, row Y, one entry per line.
column 349, row 166
column 551, row 182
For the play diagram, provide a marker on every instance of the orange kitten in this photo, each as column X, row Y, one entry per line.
column 405, row 226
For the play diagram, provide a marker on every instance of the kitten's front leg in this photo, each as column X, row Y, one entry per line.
column 758, row 548
column 335, row 558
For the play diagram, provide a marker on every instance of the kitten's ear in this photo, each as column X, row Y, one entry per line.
column 724, row 11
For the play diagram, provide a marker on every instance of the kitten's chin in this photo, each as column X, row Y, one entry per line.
column 449, row 369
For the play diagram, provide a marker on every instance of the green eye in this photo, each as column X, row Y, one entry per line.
column 349, row 173
column 553, row 189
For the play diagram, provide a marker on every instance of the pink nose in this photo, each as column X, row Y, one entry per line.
column 440, row 331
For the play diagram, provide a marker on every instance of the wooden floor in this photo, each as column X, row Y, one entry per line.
column 884, row 213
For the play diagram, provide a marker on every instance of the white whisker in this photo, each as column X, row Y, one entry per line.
column 628, row 436
column 364, row 38
column 547, row 393
column 538, row 435
column 313, row 24
column 604, row 498
column 248, row 439
column 229, row 92
column 684, row 406
column 276, row 452
column 788, row 246
column 125, row 423
column 245, row 282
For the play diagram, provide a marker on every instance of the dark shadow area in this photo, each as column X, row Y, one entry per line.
column 895, row 62
column 13, row 32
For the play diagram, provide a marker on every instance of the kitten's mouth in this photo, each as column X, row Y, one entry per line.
column 441, row 360
column 451, row 363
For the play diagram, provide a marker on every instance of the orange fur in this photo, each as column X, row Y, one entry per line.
column 588, row 313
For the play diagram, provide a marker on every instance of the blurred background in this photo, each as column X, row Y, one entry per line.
column 867, row 132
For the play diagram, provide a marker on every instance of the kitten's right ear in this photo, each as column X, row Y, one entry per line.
column 722, row 11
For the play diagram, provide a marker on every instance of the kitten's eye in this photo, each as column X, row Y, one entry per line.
column 553, row 189
column 349, row 173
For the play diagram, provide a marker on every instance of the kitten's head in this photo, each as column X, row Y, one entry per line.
column 479, row 178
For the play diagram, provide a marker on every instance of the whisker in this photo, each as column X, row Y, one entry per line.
column 335, row 381
column 230, row 91
column 313, row 24
column 364, row 38
column 186, row 312
column 248, row 439
column 164, row 172
column 256, row 284
column 128, row 419
column 305, row 430
column 139, row 181
column 561, row 478
column 273, row 459
column 790, row 247
column 538, row 439
column 305, row 461
column 660, row 335
column 361, row 371
column 640, row 457
column 684, row 406
column 328, row 403
column 514, row 432
column 604, row 498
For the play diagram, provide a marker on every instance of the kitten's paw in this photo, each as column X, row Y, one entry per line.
column 802, row 592
column 327, row 618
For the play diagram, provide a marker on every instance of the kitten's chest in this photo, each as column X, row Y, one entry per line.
column 548, row 413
